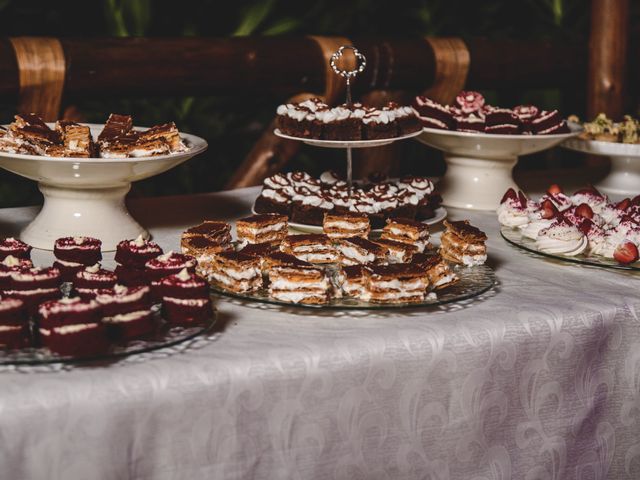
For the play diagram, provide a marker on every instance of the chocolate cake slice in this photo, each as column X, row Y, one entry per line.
column 298, row 284
column 267, row 227
column 463, row 243
column 311, row 247
column 358, row 250
column 236, row 272
column 396, row 283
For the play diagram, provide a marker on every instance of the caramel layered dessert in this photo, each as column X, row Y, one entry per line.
column 299, row 284
column 312, row 247
column 463, row 244
column 263, row 228
column 351, row 279
column 396, row 283
column 358, row 250
column 344, row 225
column 397, row 252
column 437, row 269
column 236, row 272
column 29, row 134
column 405, row 230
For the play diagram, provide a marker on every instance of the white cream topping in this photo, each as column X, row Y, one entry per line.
column 355, row 226
column 188, row 302
column 93, row 268
column 126, row 317
column 282, row 283
column 11, row 261
column 396, row 284
column 353, row 255
column 66, row 329
column 445, row 279
column 10, row 328
column 184, row 275
column 293, row 296
column 139, row 241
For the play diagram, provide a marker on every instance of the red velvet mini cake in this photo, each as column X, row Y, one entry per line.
column 95, row 277
column 76, row 340
column 131, row 276
column 15, row 248
column 12, row 264
column 68, row 311
column 33, row 298
column 84, row 250
column 33, row 278
column 92, row 293
column 68, row 270
column 135, row 253
column 14, row 327
column 127, row 326
column 181, row 285
column 183, row 311
column 168, row 264
column 124, row 300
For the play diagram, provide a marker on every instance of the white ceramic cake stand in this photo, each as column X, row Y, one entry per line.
column 479, row 165
column 624, row 177
column 85, row 196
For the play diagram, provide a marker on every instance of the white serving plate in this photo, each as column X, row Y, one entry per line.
column 440, row 214
column 624, row 177
column 346, row 143
column 85, row 196
column 479, row 165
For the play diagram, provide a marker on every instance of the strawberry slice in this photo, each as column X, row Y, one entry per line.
column 623, row 204
column 549, row 210
column 509, row 194
column 584, row 210
column 626, row 253
column 590, row 189
column 585, row 226
column 522, row 198
column 554, row 189
column 635, row 200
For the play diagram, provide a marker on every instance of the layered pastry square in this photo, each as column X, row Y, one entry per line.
column 344, row 225
column 29, row 129
column 207, row 238
column 299, row 284
column 405, row 230
column 236, row 271
column 260, row 250
column 462, row 243
column 263, row 228
column 351, row 279
column 77, row 141
column 397, row 252
column 358, row 250
column 281, row 259
column 396, row 283
column 438, row 270
column 311, row 247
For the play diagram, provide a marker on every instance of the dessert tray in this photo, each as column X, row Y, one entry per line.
column 474, row 281
column 624, row 177
column 515, row 237
column 440, row 215
column 379, row 142
column 479, row 165
column 86, row 196
column 163, row 337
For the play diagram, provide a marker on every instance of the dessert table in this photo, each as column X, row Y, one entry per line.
column 539, row 378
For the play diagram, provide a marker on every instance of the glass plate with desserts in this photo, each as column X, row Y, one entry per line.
column 586, row 227
column 76, row 310
column 345, row 126
column 306, row 200
column 342, row 267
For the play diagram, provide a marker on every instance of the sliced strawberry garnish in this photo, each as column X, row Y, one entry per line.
column 626, row 252
column 554, row 189
column 589, row 190
column 623, row 204
column 635, row 200
column 548, row 209
column 584, row 210
column 522, row 198
column 509, row 194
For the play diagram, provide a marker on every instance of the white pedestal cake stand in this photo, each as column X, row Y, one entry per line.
column 624, row 178
column 85, row 196
column 479, row 165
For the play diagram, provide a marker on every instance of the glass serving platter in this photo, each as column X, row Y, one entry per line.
column 164, row 336
column 473, row 281
column 515, row 237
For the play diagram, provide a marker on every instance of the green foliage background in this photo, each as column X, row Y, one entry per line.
column 231, row 125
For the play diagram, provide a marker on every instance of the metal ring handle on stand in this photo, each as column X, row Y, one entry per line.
column 361, row 63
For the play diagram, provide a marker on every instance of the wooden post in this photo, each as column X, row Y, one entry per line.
column 608, row 45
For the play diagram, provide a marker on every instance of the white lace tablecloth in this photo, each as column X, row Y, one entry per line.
column 539, row 379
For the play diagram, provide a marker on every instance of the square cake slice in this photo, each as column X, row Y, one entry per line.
column 398, row 252
column 236, row 272
column 438, row 270
column 358, row 250
column 311, row 247
column 396, row 283
column 77, row 139
column 407, row 231
column 352, row 280
column 463, row 243
column 344, row 225
column 299, row 284
column 266, row 227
